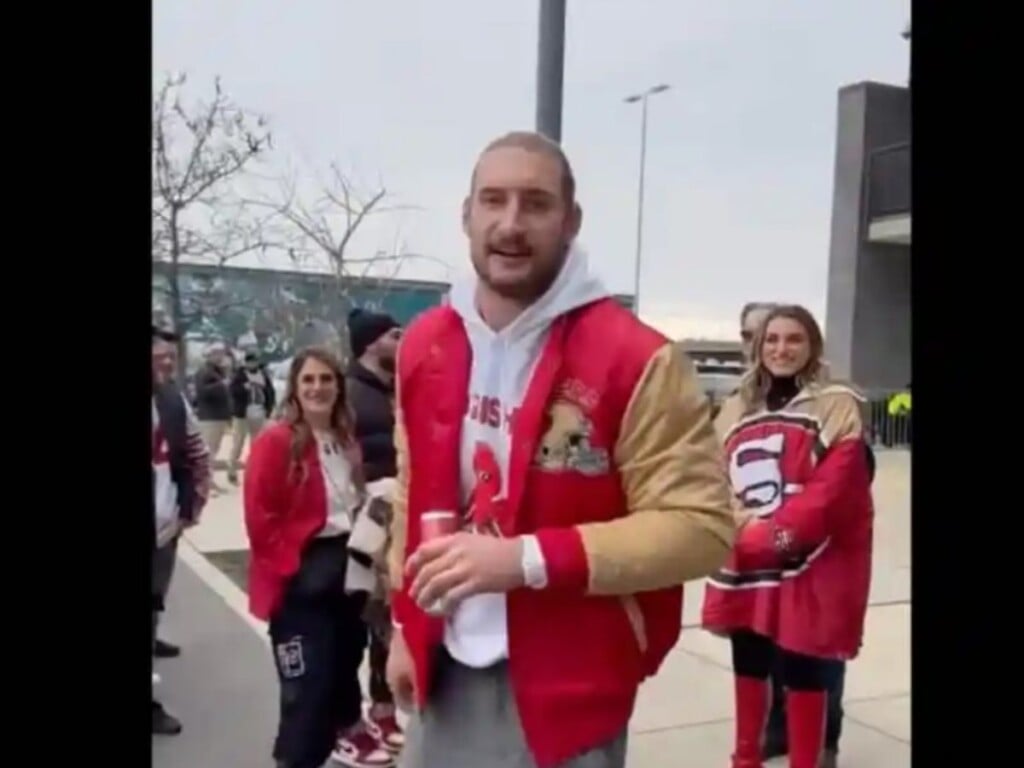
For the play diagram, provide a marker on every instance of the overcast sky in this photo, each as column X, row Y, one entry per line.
column 740, row 150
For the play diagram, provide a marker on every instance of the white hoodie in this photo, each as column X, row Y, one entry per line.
column 476, row 634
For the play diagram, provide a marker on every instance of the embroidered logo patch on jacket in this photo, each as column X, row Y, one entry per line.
column 567, row 444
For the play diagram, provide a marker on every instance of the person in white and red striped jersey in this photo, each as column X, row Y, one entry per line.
column 181, row 486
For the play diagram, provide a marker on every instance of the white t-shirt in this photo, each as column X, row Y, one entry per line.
column 257, row 408
column 342, row 497
column 165, row 492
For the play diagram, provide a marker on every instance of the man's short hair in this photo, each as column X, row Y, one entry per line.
column 754, row 306
column 531, row 141
column 164, row 334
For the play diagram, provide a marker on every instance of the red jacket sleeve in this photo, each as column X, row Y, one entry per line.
column 198, row 456
column 265, row 501
column 565, row 559
column 810, row 516
column 401, row 606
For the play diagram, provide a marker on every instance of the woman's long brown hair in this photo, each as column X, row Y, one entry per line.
column 756, row 381
column 342, row 422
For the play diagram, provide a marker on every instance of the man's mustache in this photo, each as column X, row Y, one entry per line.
column 510, row 244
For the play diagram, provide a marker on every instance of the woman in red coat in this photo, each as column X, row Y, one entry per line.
column 796, row 586
column 303, row 485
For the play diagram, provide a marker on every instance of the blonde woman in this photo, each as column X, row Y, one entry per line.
column 794, row 594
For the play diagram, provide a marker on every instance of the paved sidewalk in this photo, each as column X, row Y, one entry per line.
column 222, row 687
column 224, row 691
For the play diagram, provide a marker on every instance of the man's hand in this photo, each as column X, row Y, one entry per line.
column 400, row 672
column 455, row 567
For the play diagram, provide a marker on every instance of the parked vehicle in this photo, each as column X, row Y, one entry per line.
column 718, row 382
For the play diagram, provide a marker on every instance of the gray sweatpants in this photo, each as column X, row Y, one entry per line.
column 472, row 722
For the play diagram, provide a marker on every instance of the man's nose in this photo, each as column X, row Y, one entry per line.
column 511, row 216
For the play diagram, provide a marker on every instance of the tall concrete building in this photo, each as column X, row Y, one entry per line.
column 867, row 323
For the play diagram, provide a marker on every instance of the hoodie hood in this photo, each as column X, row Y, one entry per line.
column 575, row 286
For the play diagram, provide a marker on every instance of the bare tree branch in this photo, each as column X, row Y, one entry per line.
column 200, row 152
column 327, row 225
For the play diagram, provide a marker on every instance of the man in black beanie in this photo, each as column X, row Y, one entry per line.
column 374, row 341
column 371, row 390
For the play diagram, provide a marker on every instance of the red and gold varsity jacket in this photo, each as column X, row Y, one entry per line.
column 615, row 468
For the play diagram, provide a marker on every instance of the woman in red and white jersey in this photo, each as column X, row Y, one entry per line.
column 796, row 585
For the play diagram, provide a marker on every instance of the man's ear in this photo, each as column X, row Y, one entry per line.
column 575, row 222
column 465, row 215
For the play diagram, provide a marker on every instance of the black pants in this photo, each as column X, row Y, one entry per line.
column 163, row 569
column 380, row 692
column 835, row 680
column 378, row 621
column 756, row 656
column 318, row 645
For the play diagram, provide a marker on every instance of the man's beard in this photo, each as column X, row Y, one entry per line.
column 387, row 363
column 533, row 286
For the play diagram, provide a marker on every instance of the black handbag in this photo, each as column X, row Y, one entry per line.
column 321, row 568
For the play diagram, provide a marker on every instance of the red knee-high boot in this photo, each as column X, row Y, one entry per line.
column 752, row 700
column 805, row 727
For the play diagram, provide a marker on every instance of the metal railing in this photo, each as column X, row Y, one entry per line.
column 888, row 175
column 884, row 429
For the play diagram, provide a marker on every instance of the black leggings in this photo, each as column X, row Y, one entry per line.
column 757, row 656
column 378, row 620
column 380, row 691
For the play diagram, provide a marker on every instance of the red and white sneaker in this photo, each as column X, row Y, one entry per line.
column 387, row 731
column 361, row 749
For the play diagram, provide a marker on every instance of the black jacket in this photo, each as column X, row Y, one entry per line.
column 240, row 393
column 372, row 402
column 213, row 399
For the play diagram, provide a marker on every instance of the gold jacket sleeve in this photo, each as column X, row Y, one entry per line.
column 399, row 503
column 680, row 524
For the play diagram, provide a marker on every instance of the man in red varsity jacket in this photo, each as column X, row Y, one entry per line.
column 577, row 448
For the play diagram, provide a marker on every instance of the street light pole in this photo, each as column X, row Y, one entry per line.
column 906, row 36
column 642, row 98
column 550, row 68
